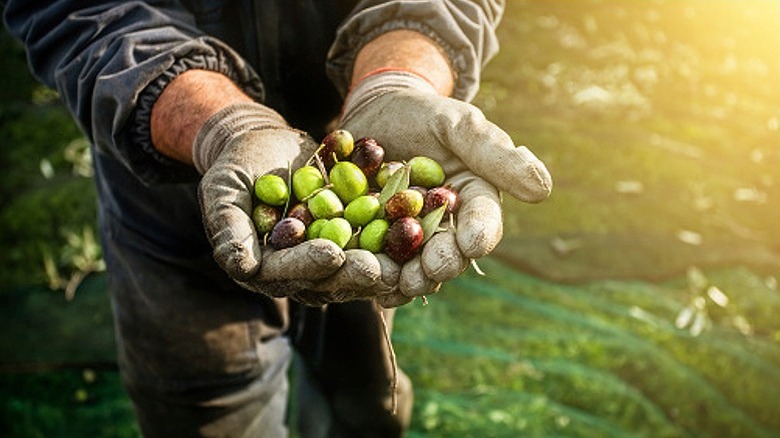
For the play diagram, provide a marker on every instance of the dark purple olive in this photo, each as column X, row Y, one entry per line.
column 404, row 239
column 301, row 212
column 368, row 155
column 438, row 196
column 287, row 232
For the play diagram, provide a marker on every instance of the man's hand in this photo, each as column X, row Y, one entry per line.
column 233, row 148
column 232, row 142
column 409, row 116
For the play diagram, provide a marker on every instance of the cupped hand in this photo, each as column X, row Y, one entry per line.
column 408, row 118
column 234, row 148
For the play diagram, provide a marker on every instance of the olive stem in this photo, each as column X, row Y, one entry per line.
column 316, row 192
column 321, row 166
column 476, row 267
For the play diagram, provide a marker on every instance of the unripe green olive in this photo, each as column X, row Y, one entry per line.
column 372, row 238
column 386, row 171
column 425, row 172
column 306, row 180
column 337, row 230
column 361, row 210
column 325, row 204
column 272, row 190
column 348, row 181
column 313, row 230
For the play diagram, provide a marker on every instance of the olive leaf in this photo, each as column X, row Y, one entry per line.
column 398, row 181
column 430, row 223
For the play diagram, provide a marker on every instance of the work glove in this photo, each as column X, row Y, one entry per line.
column 406, row 115
column 232, row 149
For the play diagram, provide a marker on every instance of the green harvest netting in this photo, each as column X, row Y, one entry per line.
column 511, row 355
column 501, row 355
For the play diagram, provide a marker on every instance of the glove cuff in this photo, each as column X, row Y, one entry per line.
column 380, row 82
column 228, row 124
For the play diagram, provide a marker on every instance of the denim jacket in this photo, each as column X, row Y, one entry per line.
column 110, row 60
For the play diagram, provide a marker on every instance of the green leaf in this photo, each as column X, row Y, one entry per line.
column 398, row 181
column 430, row 223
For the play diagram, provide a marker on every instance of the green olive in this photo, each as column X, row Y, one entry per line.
column 386, row 170
column 361, row 210
column 372, row 238
column 313, row 230
column 348, row 181
column 325, row 204
column 337, row 230
column 306, row 180
column 425, row 172
column 272, row 190
column 265, row 217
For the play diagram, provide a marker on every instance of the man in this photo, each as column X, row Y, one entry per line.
column 185, row 103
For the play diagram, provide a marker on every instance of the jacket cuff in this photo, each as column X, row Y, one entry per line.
column 463, row 30
column 143, row 158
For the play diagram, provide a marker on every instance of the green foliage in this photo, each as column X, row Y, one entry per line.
column 39, row 223
column 17, row 81
column 45, row 193
column 603, row 359
column 644, row 95
column 76, row 403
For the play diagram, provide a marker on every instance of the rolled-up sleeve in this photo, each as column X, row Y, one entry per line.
column 111, row 60
column 464, row 29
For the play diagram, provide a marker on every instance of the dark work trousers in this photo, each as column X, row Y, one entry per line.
column 199, row 356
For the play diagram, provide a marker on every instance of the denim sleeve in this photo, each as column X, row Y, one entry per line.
column 465, row 30
column 110, row 60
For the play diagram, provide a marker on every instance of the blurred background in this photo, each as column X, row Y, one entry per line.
column 641, row 299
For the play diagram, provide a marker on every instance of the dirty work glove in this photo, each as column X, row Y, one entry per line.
column 232, row 149
column 404, row 113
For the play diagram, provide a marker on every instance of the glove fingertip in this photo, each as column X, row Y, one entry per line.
column 413, row 281
column 325, row 256
column 480, row 227
column 356, row 278
column 238, row 261
column 390, row 301
column 442, row 259
column 307, row 261
column 531, row 181
column 391, row 271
